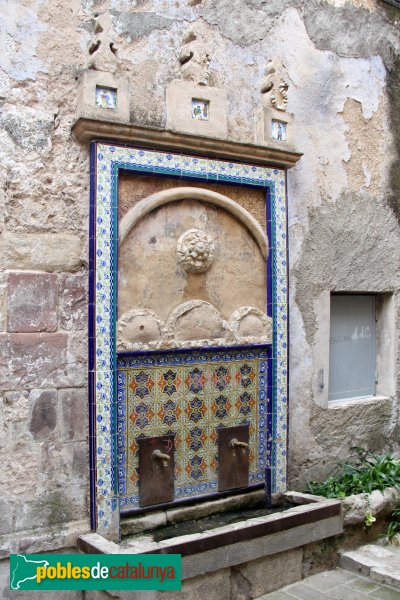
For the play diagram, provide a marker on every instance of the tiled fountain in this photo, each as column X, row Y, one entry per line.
column 189, row 361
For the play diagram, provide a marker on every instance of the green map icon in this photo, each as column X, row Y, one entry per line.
column 24, row 569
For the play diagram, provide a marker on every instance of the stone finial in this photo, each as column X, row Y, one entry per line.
column 274, row 87
column 195, row 58
column 102, row 48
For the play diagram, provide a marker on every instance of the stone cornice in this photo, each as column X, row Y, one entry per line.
column 86, row 130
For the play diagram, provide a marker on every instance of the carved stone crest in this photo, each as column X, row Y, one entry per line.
column 274, row 87
column 195, row 57
column 195, row 250
column 102, row 48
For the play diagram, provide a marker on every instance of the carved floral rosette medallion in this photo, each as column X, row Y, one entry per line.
column 195, row 250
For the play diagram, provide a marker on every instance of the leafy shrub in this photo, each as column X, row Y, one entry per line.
column 393, row 531
column 366, row 473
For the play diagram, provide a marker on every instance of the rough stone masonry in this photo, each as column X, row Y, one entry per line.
column 342, row 61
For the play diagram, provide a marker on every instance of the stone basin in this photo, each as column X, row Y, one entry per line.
column 296, row 520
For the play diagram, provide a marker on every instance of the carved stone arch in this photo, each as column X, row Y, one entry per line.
column 145, row 206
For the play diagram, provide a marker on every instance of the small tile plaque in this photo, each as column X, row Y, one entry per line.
column 279, row 130
column 200, row 109
column 106, row 97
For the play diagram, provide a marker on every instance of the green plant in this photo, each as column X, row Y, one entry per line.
column 367, row 472
column 393, row 531
column 369, row 519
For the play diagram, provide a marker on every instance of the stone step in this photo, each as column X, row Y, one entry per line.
column 380, row 563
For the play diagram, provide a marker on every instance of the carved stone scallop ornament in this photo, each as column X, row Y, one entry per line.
column 195, row 250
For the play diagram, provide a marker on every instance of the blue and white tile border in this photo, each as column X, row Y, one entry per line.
column 106, row 162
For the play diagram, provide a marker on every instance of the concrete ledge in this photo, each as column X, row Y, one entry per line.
column 86, row 130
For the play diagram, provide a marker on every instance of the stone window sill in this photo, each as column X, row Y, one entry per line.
column 338, row 404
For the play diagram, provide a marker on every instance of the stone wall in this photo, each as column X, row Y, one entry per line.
column 341, row 59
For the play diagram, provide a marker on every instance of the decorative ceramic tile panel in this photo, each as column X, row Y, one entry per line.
column 190, row 394
column 106, row 97
column 106, row 473
column 200, row 110
column 279, row 130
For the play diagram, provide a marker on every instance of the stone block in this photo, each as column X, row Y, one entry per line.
column 61, row 537
column 64, row 469
column 6, row 516
column 4, row 361
column 216, row 586
column 380, row 563
column 274, row 127
column 60, row 501
column 28, row 128
column 93, row 541
column 147, row 522
column 34, row 357
column 387, row 575
column 32, row 302
column 50, row 462
column 73, row 414
column 180, row 96
column 44, row 414
column 206, row 509
column 16, row 408
column 75, row 465
column 40, row 252
column 20, row 469
column 73, row 301
column 267, row 574
column 372, row 431
column 80, row 460
column 3, row 301
column 257, row 548
column 103, row 96
column 15, row 414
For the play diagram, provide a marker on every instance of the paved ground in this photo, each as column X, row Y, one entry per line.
column 335, row 585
